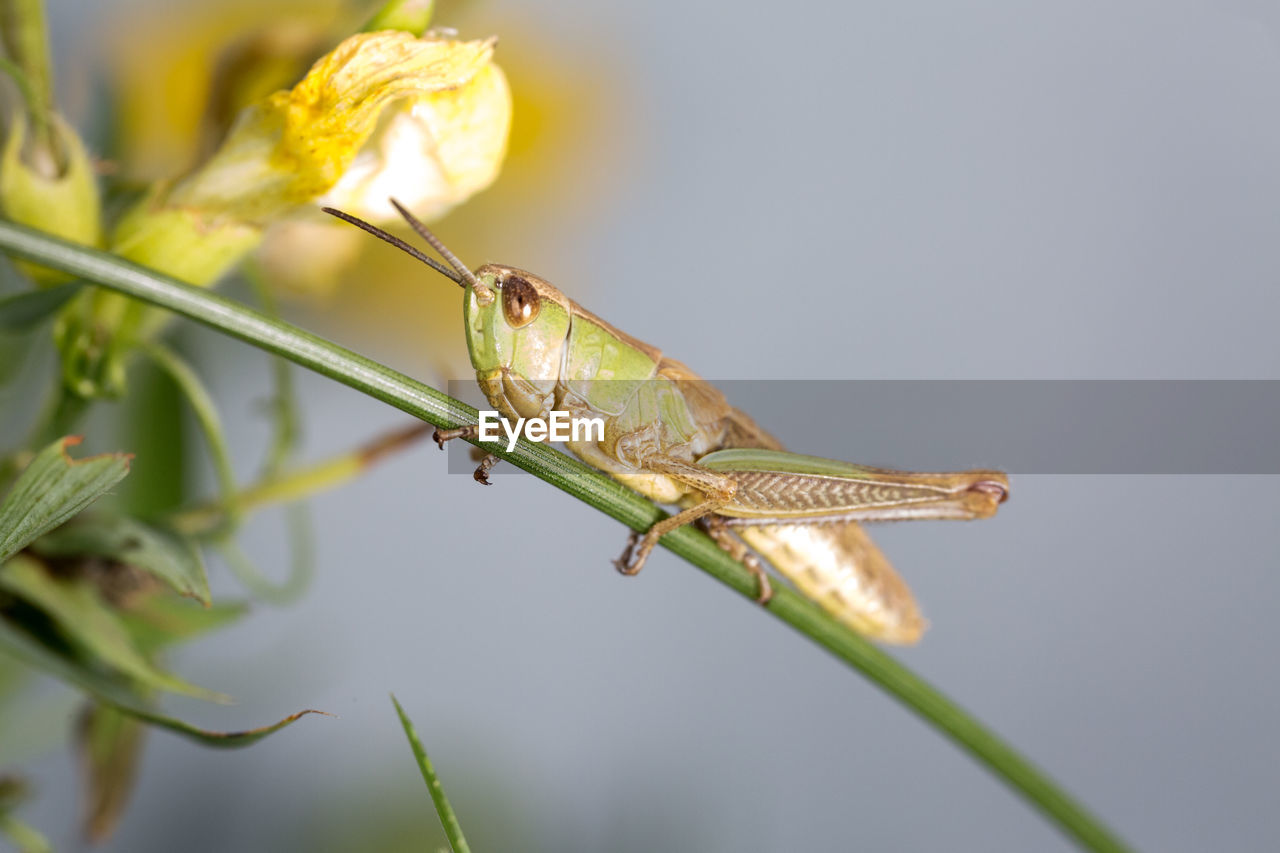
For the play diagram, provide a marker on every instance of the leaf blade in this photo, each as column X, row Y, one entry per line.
column 162, row 553
column 449, row 820
column 113, row 692
column 25, row 312
column 109, row 743
column 53, row 489
column 90, row 624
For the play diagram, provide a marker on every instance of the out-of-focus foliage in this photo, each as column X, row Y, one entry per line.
column 230, row 120
column 51, row 489
column 423, row 117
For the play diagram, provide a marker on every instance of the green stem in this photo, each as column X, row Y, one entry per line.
column 284, row 402
column 26, row 839
column 586, row 484
column 289, row 486
column 26, row 40
column 206, row 412
column 62, row 413
column 301, row 562
column 412, row 16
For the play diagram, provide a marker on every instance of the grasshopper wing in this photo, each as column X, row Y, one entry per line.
column 838, row 566
column 774, row 485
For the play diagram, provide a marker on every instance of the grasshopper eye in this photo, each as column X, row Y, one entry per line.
column 520, row 301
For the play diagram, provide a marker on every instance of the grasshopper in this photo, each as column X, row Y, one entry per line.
column 674, row 438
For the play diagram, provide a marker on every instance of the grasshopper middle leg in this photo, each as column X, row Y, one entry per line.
column 717, row 490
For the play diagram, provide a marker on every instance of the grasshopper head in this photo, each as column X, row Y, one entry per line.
column 517, row 324
column 517, row 327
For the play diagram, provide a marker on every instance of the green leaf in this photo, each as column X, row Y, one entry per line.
column 15, row 353
column 24, row 838
column 168, row 556
column 27, row 311
column 116, row 692
column 204, row 409
column 109, row 743
column 163, row 620
column 21, row 317
column 448, row 819
column 13, row 791
column 52, row 489
column 153, row 416
column 11, row 678
column 84, row 619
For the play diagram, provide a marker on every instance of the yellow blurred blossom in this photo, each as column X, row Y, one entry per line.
column 424, row 117
column 383, row 110
column 449, row 128
column 181, row 72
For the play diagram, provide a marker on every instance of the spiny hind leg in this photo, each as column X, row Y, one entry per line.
column 715, row 527
column 717, row 490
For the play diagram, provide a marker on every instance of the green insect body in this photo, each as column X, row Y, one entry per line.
column 674, row 437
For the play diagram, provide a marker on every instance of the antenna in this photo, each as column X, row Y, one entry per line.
column 399, row 244
column 425, row 234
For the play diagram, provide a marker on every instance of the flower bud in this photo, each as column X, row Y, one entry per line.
column 54, row 191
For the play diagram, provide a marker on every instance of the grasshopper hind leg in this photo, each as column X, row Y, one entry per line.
column 715, row 527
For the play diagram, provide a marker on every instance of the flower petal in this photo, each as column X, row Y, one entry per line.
column 297, row 144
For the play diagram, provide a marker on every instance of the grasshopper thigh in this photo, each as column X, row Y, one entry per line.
column 716, row 490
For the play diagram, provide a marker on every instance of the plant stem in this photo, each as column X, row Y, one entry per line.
column 285, row 486
column 586, row 484
column 60, row 417
column 26, row 40
column 206, row 413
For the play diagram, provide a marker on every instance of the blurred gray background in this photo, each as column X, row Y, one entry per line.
column 978, row 190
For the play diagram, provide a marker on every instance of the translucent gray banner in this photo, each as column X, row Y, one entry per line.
column 1019, row 426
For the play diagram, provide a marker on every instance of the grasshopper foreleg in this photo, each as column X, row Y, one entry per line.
column 717, row 529
column 440, row 436
column 717, row 490
column 486, row 460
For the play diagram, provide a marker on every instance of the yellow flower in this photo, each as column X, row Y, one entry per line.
column 384, row 112
column 425, row 118
column 448, row 128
